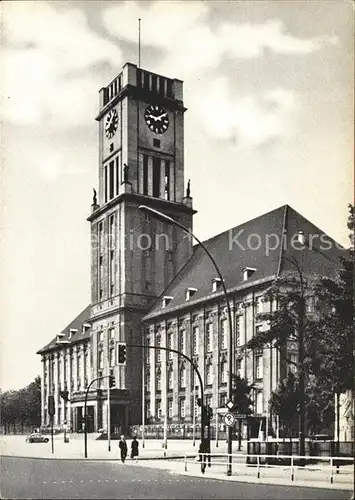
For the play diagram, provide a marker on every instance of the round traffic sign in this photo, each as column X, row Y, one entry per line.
column 229, row 419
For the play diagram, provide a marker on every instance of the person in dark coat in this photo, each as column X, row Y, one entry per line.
column 134, row 449
column 123, row 448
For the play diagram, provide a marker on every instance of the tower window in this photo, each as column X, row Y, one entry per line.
column 167, row 180
column 156, row 177
column 105, row 182
column 161, row 86
column 169, row 89
column 139, row 77
column 111, row 182
column 156, row 143
column 111, row 147
column 146, row 80
column 145, row 174
column 154, row 84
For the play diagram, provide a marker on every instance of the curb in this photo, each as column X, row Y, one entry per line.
column 320, row 485
column 89, row 459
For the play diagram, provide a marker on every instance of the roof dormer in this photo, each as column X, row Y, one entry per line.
column 59, row 339
column 216, row 284
column 190, row 292
column 248, row 272
column 86, row 327
column 71, row 332
column 166, row 300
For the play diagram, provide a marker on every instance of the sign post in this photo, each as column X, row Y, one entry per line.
column 51, row 412
column 229, row 419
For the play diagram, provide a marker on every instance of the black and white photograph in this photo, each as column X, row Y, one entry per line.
column 177, row 249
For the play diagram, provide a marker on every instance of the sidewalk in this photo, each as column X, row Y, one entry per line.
column 15, row 445
column 172, row 459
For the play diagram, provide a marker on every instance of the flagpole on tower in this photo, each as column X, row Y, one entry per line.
column 139, row 42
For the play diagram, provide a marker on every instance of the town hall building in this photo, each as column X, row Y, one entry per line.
column 151, row 286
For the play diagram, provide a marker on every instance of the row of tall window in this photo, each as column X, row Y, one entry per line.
column 158, row 185
column 110, row 349
column 222, row 400
column 182, row 377
column 195, row 340
column 111, row 267
column 112, row 89
column 155, row 83
column 112, row 177
column 70, row 369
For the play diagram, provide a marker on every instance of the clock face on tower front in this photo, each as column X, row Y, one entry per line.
column 111, row 123
column 156, row 118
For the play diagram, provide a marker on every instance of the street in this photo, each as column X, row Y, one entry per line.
column 29, row 478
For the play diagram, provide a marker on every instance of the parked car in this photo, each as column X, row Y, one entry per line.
column 36, row 437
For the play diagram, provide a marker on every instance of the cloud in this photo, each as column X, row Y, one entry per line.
column 183, row 30
column 49, row 65
column 249, row 40
column 251, row 120
column 163, row 23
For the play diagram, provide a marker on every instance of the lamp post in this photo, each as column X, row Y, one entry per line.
column 166, row 218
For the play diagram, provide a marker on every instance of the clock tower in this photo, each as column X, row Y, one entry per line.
column 134, row 257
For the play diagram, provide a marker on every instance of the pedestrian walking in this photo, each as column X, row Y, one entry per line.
column 134, row 449
column 123, row 448
column 202, row 455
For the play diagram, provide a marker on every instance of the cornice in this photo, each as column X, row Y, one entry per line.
column 141, row 94
column 141, row 199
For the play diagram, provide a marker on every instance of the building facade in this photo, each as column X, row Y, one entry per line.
column 150, row 285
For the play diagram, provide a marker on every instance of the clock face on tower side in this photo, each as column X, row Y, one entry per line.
column 111, row 123
column 156, row 118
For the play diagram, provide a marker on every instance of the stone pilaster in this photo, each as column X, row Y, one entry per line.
column 75, row 368
column 164, row 385
column 56, row 388
column 43, row 392
column 82, row 367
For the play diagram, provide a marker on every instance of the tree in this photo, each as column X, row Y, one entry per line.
column 335, row 328
column 324, row 339
column 21, row 407
column 284, row 402
column 241, row 398
column 289, row 324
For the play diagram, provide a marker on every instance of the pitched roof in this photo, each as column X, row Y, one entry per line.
column 263, row 244
column 76, row 336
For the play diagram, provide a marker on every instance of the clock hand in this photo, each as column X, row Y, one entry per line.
column 161, row 116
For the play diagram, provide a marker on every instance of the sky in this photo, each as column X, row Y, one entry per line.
column 269, row 91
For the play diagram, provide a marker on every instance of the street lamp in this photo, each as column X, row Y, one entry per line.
column 166, row 218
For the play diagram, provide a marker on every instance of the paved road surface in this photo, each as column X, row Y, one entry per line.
column 29, row 478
